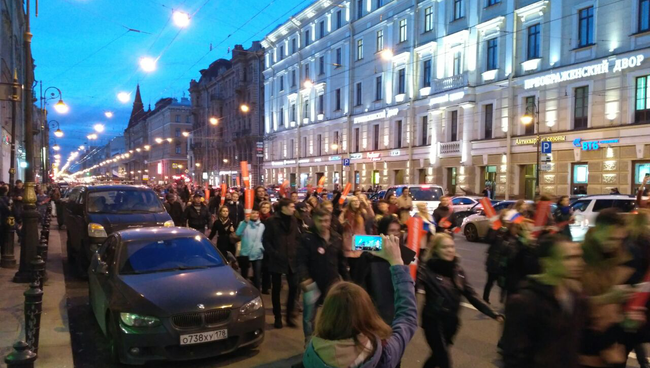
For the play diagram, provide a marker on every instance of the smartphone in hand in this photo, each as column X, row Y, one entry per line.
column 367, row 243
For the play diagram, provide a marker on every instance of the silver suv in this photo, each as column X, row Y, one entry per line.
column 586, row 209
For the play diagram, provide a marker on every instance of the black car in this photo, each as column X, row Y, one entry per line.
column 92, row 213
column 168, row 294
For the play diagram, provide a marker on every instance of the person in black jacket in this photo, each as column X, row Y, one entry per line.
column 320, row 260
column 280, row 243
column 223, row 227
column 197, row 215
column 260, row 196
column 563, row 216
column 236, row 210
column 495, row 265
column 445, row 282
column 174, row 209
column 442, row 212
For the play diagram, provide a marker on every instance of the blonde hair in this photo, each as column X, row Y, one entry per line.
column 434, row 244
column 347, row 312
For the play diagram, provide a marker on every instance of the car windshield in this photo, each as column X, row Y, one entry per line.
column 124, row 201
column 425, row 193
column 186, row 253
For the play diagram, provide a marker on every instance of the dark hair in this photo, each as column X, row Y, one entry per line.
column 197, row 195
column 609, row 217
column 18, row 181
column 169, row 197
column 3, row 190
column 294, row 192
column 559, row 201
column 284, row 202
column 546, row 244
column 320, row 212
column 383, row 201
column 258, row 187
column 385, row 222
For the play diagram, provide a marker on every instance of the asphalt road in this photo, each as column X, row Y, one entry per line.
column 475, row 344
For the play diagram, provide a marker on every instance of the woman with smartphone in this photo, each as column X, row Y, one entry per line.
column 353, row 221
column 444, row 282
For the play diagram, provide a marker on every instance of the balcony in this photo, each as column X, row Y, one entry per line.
column 449, row 148
column 453, row 82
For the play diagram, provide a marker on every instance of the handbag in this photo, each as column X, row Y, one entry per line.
column 234, row 239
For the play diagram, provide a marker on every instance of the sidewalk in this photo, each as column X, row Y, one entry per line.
column 55, row 349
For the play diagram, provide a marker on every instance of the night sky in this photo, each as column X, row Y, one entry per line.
column 85, row 48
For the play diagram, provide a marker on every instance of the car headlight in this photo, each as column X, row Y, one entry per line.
column 247, row 309
column 96, row 231
column 169, row 223
column 136, row 320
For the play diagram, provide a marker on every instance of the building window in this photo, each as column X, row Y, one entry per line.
column 641, row 169
column 304, row 147
column 321, row 65
column 459, row 9
column 339, row 19
column 293, row 45
column 642, row 105
column 359, row 9
column 454, row 127
column 305, row 111
column 281, row 52
column 293, row 78
column 375, row 138
column 319, row 145
column 338, row 57
column 380, row 3
column 291, row 148
column 360, row 49
column 487, row 121
column 398, row 134
column 425, row 131
column 428, row 19
column 307, row 71
column 321, row 104
column 378, row 88
column 321, row 29
column 492, row 2
column 401, row 81
column 426, row 73
column 358, row 99
column 338, row 99
column 293, row 112
column 581, row 108
column 281, row 116
column 356, row 139
column 644, row 15
column 307, row 38
column 402, row 30
column 458, row 66
column 178, row 149
column 336, row 142
column 586, row 27
column 530, row 109
column 177, row 132
column 282, row 83
column 533, row 42
column 178, row 118
column 380, row 40
column 492, row 53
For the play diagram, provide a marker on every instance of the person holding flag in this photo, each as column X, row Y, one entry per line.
column 441, row 216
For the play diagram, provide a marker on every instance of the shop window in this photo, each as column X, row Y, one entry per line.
column 641, row 169
column 580, row 179
column 375, row 177
column 642, row 105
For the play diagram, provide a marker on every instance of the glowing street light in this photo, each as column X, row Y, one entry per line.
column 124, row 97
column 147, row 147
column 99, row 128
column 148, row 64
column 387, row 54
column 198, row 164
column 308, row 84
column 527, row 119
column 186, row 134
column 91, row 136
column 225, row 160
column 244, row 108
column 108, row 114
column 58, row 133
column 169, row 140
column 56, row 147
column 61, row 107
column 214, row 121
column 181, row 19
column 158, row 140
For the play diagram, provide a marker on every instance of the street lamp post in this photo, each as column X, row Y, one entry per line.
column 532, row 117
column 45, row 143
column 61, row 108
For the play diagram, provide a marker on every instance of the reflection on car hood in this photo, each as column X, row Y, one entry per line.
column 177, row 292
column 113, row 222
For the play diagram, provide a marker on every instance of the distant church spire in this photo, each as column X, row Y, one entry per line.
column 138, row 107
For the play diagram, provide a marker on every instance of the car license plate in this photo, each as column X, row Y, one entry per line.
column 202, row 337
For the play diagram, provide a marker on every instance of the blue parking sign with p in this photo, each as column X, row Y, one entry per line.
column 346, row 162
column 546, row 147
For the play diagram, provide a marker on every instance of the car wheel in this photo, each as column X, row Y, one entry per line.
column 113, row 343
column 471, row 233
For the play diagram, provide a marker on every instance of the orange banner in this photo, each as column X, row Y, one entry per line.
column 541, row 216
column 283, row 189
column 207, row 193
column 321, row 183
column 249, row 198
column 224, row 188
column 244, row 174
column 414, row 237
column 490, row 213
column 344, row 195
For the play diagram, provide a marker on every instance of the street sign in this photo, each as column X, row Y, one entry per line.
column 546, row 167
column 260, row 155
column 546, row 147
column 546, row 158
column 346, row 162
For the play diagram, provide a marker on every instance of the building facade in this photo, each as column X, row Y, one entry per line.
column 434, row 92
column 227, row 103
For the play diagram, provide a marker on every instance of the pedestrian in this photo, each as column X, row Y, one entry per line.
column 223, row 228
column 184, row 193
column 487, row 192
column 495, row 266
column 321, row 263
column 303, row 215
column 392, row 204
column 196, row 215
column 518, row 250
column 260, row 196
column 235, row 209
column 405, row 205
column 251, row 231
column 17, row 194
column 174, row 209
column 563, row 216
column 58, row 206
column 546, row 317
column 349, row 331
column 444, row 282
column 5, row 213
column 280, row 242
column 441, row 215
column 265, row 211
column 614, row 191
column 41, row 202
column 294, row 197
column 353, row 219
column 265, row 214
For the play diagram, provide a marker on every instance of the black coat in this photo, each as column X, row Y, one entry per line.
column 197, row 219
column 175, row 210
column 223, row 230
column 322, row 261
column 235, row 212
column 538, row 333
column 281, row 242
column 440, row 213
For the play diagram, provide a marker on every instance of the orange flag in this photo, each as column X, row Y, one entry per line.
column 244, row 174
column 224, row 188
column 490, row 213
column 541, row 216
column 207, row 193
column 321, row 183
column 348, row 186
column 283, row 189
column 248, row 204
column 414, row 236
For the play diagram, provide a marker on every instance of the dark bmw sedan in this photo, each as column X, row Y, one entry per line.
column 166, row 293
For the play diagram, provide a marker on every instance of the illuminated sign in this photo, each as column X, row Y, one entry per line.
column 592, row 145
column 386, row 113
column 450, row 97
column 375, row 156
column 557, row 138
column 356, row 156
column 285, row 162
column 584, row 72
column 160, row 168
column 335, row 158
column 395, row 153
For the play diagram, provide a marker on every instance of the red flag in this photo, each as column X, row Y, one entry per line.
column 414, row 237
column 249, row 198
column 283, row 189
column 207, row 193
column 348, row 186
column 224, row 188
column 444, row 223
column 490, row 213
column 541, row 216
column 244, row 174
column 321, row 183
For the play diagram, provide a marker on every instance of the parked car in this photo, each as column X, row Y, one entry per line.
column 477, row 226
column 92, row 213
column 457, row 217
column 168, row 294
column 463, row 203
column 585, row 211
column 429, row 194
